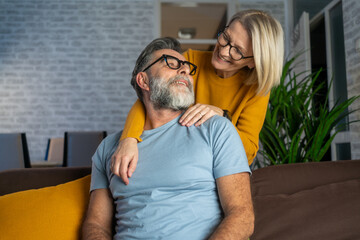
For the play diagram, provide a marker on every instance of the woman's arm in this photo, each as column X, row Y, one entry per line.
column 135, row 122
column 249, row 124
column 124, row 160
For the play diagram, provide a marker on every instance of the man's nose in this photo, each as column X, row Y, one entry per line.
column 184, row 69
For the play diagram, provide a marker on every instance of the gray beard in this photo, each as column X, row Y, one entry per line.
column 163, row 94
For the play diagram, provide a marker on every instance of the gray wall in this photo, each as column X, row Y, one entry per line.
column 66, row 65
column 351, row 18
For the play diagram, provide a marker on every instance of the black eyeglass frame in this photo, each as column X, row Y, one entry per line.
column 180, row 62
column 231, row 46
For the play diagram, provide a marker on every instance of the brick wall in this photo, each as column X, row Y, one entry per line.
column 65, row 65
column 351, row 18
column 274, row 8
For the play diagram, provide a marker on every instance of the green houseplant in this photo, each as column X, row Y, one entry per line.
column 297, row 128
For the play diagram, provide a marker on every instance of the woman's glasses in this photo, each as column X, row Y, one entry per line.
column 234, row 52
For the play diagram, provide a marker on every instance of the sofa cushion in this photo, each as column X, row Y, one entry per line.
column 331, row 211
column 47, row 213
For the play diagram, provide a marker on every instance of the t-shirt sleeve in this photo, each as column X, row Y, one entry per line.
column 98, row 171
column 228, row 150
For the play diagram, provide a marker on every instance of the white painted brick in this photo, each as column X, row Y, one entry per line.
column 351, row 20
column 65, row 64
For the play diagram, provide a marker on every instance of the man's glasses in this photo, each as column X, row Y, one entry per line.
column 234, row 52
column 175, row 63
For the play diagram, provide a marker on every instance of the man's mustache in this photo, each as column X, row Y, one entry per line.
column 180, row 77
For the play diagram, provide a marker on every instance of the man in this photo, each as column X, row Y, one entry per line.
column 190, row 182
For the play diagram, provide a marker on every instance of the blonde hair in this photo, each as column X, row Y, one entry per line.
column 267, row 38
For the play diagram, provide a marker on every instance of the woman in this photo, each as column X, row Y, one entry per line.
column 233, row 81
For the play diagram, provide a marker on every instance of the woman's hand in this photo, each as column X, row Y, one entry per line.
column 198, row 114
column 125, row 158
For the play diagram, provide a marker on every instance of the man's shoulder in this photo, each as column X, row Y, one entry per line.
column 218, row 122
column 111, row 141
column 218, row 126
column 112, row 137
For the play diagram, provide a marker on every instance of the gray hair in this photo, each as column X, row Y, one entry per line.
column 147, row 54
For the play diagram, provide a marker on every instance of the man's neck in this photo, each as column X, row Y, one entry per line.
column 157, row 117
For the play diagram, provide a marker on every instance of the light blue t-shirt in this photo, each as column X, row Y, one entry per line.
column 172, row 194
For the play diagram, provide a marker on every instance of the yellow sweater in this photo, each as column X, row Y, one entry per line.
column 246, row 108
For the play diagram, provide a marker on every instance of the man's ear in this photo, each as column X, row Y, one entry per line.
column 143, row 81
